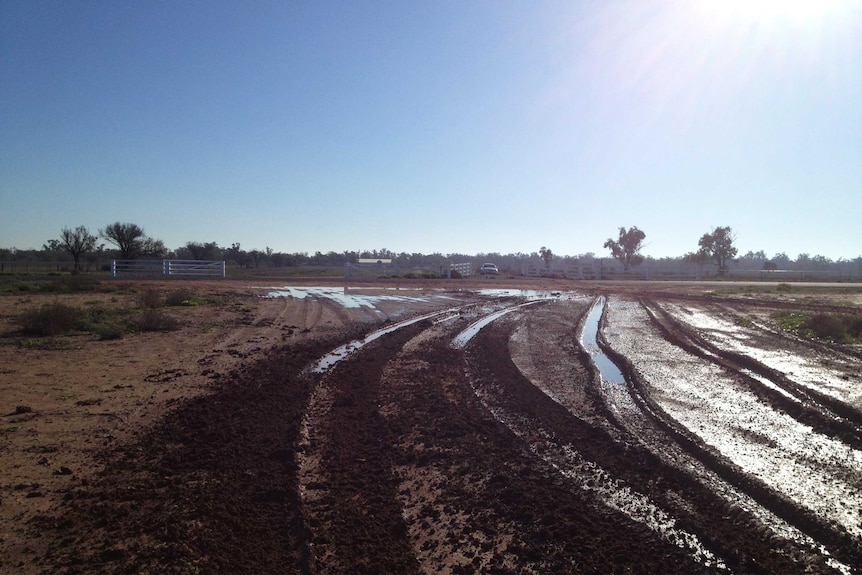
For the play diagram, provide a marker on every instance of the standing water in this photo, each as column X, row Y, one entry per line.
column 589, row 339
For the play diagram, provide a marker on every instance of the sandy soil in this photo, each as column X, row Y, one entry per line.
column 215, row 449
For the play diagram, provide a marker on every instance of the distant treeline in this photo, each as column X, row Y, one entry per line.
column 512, row 263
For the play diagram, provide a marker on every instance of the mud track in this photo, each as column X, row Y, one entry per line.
column 411, row 455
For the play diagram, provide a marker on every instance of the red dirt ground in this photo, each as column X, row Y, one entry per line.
column 213, row 449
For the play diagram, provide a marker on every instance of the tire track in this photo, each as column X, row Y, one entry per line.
column 346, row 482
column 824, row 414
column 695, row 507
column 834, row 538
column 480, row 496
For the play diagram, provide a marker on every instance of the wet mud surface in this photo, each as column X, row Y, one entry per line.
column 505, row 452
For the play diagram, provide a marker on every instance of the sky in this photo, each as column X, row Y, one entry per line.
column 435, row 127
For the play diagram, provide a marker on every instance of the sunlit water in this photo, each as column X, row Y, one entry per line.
column 589, row 339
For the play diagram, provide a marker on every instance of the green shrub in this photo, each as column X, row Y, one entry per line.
column 50, row 319
column 783, row 287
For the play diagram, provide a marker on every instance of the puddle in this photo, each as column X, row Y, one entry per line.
column 353, row 297
column 465, row 336
column 589, row 339
column 530, row 294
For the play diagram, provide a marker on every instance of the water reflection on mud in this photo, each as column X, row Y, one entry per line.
column 589, row 339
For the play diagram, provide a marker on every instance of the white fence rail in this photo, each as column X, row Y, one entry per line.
column 466, row 270
column 181, row 268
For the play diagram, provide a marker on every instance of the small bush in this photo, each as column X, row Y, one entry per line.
column 783, row 287
column 182, row 296
column 835, row 327
column 153, row 320
column 50, row 319
column 110, row 331
column 150, row 299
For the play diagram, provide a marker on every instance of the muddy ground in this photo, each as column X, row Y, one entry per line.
column 218, row 448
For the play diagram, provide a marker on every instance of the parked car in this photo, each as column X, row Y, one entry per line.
column 489, row 269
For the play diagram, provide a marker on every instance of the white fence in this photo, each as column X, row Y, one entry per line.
column 183, row 268
column 466, row 270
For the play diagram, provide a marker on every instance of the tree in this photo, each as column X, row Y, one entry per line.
column 626, row 249
column 547, row 255
column 718, row 246
column 206, row 251
column 77, row 242
column 151, row 248
column 128, row 238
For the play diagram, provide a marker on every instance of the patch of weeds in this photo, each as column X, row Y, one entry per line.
column 50, row 319
column 783, row 288
column 183, row 297
column 57, row 319
column 210, row 327
column 17, row 286
column 47, row 344
column 744, row 322
column 154, row 320
column 794, row 322
column 839, row 328
column 105, row 323
column 835, row 327
column 78, row 284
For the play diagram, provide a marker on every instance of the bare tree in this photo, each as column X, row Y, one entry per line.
column 626, row 248
column 77, row 242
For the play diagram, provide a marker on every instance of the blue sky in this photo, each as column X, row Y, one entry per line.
column 448, row 126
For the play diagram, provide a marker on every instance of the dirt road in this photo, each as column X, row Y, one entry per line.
column 479, row 437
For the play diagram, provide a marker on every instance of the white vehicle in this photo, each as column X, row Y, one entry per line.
column 489, row 269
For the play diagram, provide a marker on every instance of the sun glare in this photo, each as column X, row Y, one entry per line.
column 798, row 12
